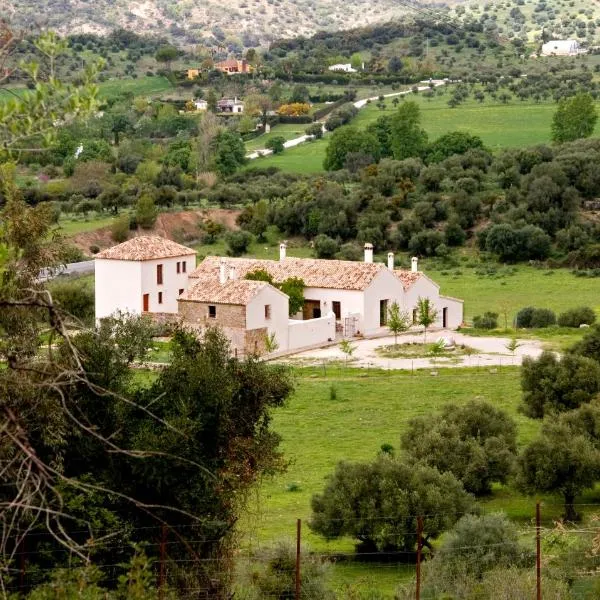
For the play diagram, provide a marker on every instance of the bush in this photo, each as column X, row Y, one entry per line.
column 489, row 320
column 535, row 318
column 378, row 503
column 542, row 317
column 316, row 130
column 325, row 247
column 119, row 230
column 145, row 212
column 276, row 144
column 576, row 317
column 237, row 242
column 75, row 298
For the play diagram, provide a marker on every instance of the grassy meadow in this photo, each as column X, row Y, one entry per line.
column 368, row 409
column 512, row 288
column 515, row 124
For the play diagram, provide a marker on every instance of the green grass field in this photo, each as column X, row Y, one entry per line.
column 287, row 131
column 515, row 124
column 557, row 289
column 142, row 86
column 305, row 158
column 371, row 408
column 72, row 226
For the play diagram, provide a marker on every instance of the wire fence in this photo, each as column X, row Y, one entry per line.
column 180, row 566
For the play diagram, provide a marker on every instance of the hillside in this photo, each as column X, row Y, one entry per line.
column 236, row 23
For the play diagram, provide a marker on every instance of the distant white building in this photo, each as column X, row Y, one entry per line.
column 230, row 105
column 346, row 68
column 201, row 104
column 143, row 275
column 561, row 48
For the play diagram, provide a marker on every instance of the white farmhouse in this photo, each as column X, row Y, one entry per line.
column 343, row 67
column 561, row 48
column 143, row 275
column 344, row 298
column 200, row 104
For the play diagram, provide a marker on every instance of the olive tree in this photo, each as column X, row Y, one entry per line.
column 378, row 503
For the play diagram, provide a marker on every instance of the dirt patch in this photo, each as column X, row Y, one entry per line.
column 183, row 227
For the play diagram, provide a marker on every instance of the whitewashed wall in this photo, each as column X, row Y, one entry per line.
column 172, row 282
column 385, row 286
column 312, row 332
column 278, row 323
column 425, row 288
column 351, row 302
column 118, row 287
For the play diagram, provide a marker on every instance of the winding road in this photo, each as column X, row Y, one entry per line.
column 358, row 104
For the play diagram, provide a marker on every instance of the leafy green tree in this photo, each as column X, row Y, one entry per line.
column 552, row 385
column 238, row 242
column 229, row 152
column 426, row 314
column 398, row 321
column 119, row 230
column 560, row 461
column 316, row 130
column 293, row 287
column 325, row 247
column 146, row 212
column 575, row 317
column 74, row 298
column 378, row 503
column 276, row 144
column 574, row 118
column 407, row 138
column 589, row 345
column 449, row 144
column 28, row 120
column 346, row 140
column 166, row 54
column 475, row 442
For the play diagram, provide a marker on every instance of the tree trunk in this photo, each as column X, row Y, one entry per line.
column 570, row 513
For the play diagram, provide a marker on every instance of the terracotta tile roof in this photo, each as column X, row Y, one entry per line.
column 407, row 277
column 318, row 273
column 233, row 291
column 148, row 247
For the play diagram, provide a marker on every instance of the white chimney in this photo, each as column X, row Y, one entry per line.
column 368, row 253
column 414, row 264
column 222, row 271
column 282, row 250
column 232, row 273
column 391, row 261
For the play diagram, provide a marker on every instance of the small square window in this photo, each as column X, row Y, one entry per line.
column 181, row 291
column 212, row 312
column 267, row 311
column 178, row 267
column 160, row 297
column 184, row 267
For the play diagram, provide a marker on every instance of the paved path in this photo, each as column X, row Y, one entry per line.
column 359, row 104
column 77, row 268
column 489, row 351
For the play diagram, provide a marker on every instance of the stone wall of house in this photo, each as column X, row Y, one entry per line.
column 255, row 341
column 165, row 322
column 228, row 315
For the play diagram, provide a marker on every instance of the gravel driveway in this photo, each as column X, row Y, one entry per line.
column 489, row 351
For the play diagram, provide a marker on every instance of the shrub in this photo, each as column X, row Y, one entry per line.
column 75, row 299
column 119, row 230
column 542, row 317
column 237, row 242
column 145, row 212
column 316, row 130
column 576, row 317
column 325, row 247
column 276, row 144
column 535, row 318
column 489, row 320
